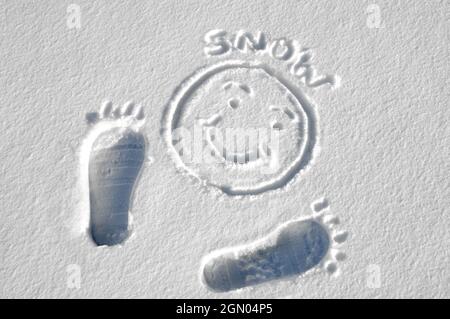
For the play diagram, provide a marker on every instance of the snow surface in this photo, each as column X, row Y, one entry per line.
column 383, row 160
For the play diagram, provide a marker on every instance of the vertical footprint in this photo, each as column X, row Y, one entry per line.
column 115, row 161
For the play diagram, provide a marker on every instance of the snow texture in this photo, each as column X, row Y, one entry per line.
column 380, row 161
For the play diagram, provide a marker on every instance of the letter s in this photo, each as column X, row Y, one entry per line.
column 216, row 43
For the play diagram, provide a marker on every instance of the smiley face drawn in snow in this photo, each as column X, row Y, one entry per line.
column 256, row 130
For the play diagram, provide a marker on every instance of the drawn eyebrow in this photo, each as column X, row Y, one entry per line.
column 286, row 110
column 243, row 87
column 289, row 113
column 227, row 85
column 213, row 120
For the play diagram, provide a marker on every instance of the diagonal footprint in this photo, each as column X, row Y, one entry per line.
column 293, row 249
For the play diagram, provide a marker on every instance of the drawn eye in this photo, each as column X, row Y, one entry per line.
column 277, row 126
column 233, row 103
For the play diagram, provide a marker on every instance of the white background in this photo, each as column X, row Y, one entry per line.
column 383, row 165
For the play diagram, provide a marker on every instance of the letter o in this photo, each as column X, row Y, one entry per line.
column 281, row 49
